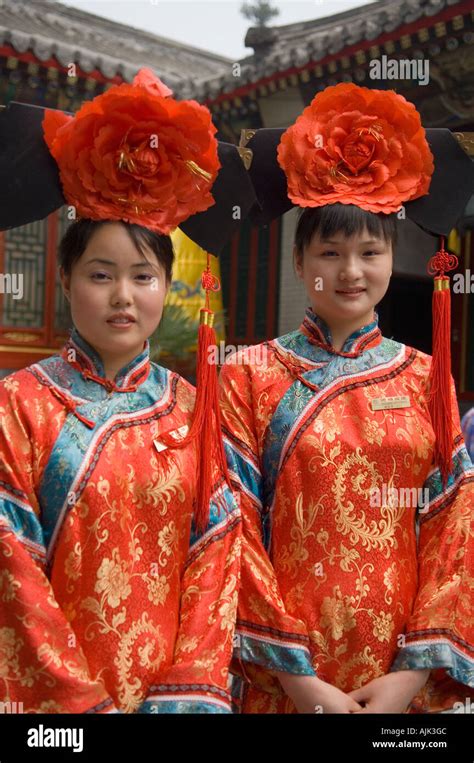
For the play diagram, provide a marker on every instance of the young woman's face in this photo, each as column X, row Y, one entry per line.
column 346, row 277
column 109, row 279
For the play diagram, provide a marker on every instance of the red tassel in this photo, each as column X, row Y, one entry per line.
column 206, row 423
column 439, row 400
column 211, row 446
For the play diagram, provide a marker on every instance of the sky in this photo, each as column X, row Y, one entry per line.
column 213, row 25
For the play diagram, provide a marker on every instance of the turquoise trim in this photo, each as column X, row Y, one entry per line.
column 25, row 524
column 70, row 379
column 299, row 396
column 96, row 359
column 182, row 707
column 219, row 510
column 326, row 332
column 434, row 655
column 333, row 366
column 75, row 438
column 461, row 465
column 248, row 474
column 273, row 656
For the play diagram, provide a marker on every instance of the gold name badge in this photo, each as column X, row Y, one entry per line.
column 383, row 403
column 176, row 434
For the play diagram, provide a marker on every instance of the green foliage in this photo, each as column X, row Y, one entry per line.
column 176, row 334
column 260, row 12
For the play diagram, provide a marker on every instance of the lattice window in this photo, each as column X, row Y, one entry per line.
column 37, row 324
column 25, row 256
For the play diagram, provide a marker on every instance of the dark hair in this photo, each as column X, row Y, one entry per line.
column 342, row 218
column 78, row 235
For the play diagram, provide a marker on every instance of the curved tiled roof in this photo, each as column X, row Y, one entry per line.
column 49, row 29
column 277, row 49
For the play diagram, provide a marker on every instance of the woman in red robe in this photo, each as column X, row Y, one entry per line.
column 114, row 596
column 357, row 557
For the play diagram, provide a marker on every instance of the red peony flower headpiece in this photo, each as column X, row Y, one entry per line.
column 136, row 154
column 356, row 146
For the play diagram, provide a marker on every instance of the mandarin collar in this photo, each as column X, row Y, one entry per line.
column 318, row 332
column 89, row 363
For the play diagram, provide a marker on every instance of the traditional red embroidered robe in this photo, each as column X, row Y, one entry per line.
column 356, row 560
column 109, row 600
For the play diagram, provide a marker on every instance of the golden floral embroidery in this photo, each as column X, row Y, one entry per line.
column 10, row 646
column 327, row 424
column 356, row 576
column 225, row 606
column 348, row 555
column 337, row 614
column 113, row 579
column 11, row 383
column 353, row 522
column 8, row 586
column 72, row 565
column 49, row 706
column 294, row 598
column 185, row 396
column 158, row 589
column 261, row 607
column 186, row 644
column 372, row 431
column 103, row 616
column 383, row 626
column 167, row 539
column 48, row 654
column 391, row 581
column 363, row 666
column 290, row 558
column 151, row 655
column 206, row 663
column 164, row 485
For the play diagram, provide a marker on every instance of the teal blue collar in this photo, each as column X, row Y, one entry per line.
column 88, row 361
column 317, row 330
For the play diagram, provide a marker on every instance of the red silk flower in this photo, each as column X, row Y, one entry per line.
column 356, row 146
column 134, row 153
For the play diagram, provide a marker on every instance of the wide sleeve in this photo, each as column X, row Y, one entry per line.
column 266, row 634
column 198, row 679
column 439, row 633
column 42, row 666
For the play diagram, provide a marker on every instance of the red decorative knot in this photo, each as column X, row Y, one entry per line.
column 442, row 261
column 210, row 282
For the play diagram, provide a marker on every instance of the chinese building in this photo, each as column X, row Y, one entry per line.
column 268, row 88
column 288, row 67
column 56, row 56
